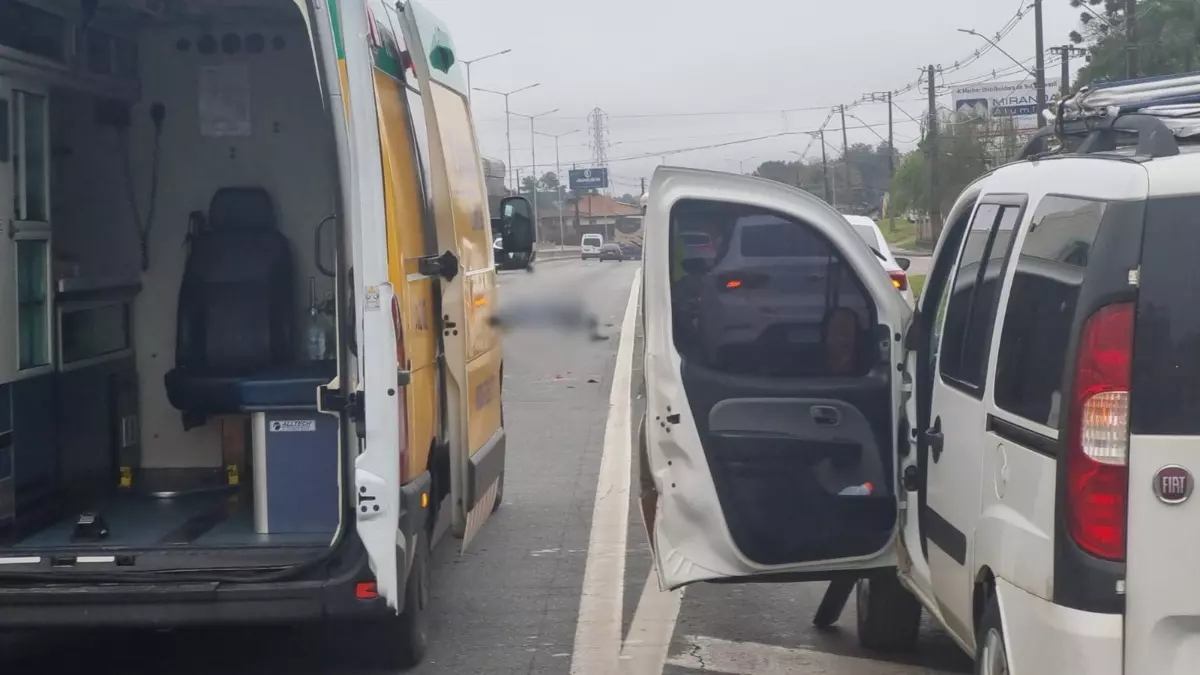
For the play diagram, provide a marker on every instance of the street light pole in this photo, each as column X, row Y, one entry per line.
column 562, row 237
column 1000, row 49
column 508, row 121
column 1040, row 78
column 468, row 62
column 533, row 160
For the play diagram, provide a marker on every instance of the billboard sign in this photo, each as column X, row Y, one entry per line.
column 586, row 179
column 986, row 100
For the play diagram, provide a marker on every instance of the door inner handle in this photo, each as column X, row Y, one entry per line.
column 826, row 416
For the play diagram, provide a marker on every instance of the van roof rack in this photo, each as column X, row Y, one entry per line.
column 1157, row 110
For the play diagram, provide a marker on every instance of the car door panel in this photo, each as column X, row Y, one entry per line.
column 747, row 456
column 956, row 434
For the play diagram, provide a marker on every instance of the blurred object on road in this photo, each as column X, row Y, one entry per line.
column 566, row 314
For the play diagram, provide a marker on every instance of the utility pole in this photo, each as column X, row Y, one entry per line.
column 931, row 136
column 533, row 160
column 845, row 152
column 1064, row 80
column 886, row 97
column 508, row 122
column 1131, row 39
column 558, row 172
column 1067, row 51
column 1040, row 69
column 825, row 169
column 891, row 140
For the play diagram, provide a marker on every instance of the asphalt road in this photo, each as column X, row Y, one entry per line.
column 511, row 603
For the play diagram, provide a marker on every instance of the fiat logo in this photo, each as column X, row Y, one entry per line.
column 1173, row 484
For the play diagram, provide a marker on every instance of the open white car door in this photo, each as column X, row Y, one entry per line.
column 773, row 385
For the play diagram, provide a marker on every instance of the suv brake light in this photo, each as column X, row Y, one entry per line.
column 1098, row 449
column 899, row 279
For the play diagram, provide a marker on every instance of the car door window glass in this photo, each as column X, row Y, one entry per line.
column 771, row 297
column 970, row 309
column 1041, row 307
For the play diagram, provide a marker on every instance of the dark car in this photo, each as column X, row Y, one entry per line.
column 611, row 251
column 631, row 250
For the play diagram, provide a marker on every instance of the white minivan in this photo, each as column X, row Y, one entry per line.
column 1014, row 457
column 589, row 246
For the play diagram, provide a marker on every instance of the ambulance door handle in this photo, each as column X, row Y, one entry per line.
column 936, row 439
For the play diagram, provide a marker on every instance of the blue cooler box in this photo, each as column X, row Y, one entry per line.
column 295, row 472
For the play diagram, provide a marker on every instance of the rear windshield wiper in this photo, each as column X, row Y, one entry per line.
column 877, row 253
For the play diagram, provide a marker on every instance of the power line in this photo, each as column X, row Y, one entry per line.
column 713, row 146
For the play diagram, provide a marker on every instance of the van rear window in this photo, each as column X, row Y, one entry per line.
column 776, row 238
column 1166, row 351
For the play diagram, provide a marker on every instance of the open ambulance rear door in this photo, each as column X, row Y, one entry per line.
column 472, row 346
column 377, row 466
column 773, row 375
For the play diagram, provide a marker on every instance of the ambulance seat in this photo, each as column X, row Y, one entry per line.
column 234, row 347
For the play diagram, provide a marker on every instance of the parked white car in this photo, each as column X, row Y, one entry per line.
column 897, row 268
column 1016, row 458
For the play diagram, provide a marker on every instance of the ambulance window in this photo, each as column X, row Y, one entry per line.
column 1041, row 307
column 420, row 136
column 758, row 293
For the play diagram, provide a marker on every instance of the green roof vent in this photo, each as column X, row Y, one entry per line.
column 441, row 57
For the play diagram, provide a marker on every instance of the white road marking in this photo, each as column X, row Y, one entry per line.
column 598, row 630
column 649, row 639
column 713, row 655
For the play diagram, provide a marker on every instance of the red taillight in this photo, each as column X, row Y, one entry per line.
column 899, row 279
column 401, row 398
column 365, row 590
column 1098, row 450
column 731, row 281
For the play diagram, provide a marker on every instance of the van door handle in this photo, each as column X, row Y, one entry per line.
column 826, row 416
column 935, row 439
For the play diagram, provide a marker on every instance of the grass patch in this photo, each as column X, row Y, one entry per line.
column 899, row 233
column 917, row 283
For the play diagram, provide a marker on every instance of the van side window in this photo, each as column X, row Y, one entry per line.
column 1041, row 306
column 970, row 309
column 420, row 136
column 758, row 293
column 4, row 133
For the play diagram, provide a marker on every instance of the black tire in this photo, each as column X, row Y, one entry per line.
column 499, row 492
column 889, row 617
column 395, row 642
column 500, row 481
column 991, row 658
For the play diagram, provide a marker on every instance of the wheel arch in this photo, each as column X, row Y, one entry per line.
column 983, row 591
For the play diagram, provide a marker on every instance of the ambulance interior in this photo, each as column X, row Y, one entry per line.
column 169, row 323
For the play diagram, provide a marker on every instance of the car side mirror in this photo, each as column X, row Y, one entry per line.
column 904, row 263
column 517, row 225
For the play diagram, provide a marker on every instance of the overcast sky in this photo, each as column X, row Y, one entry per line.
column 658, row 68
